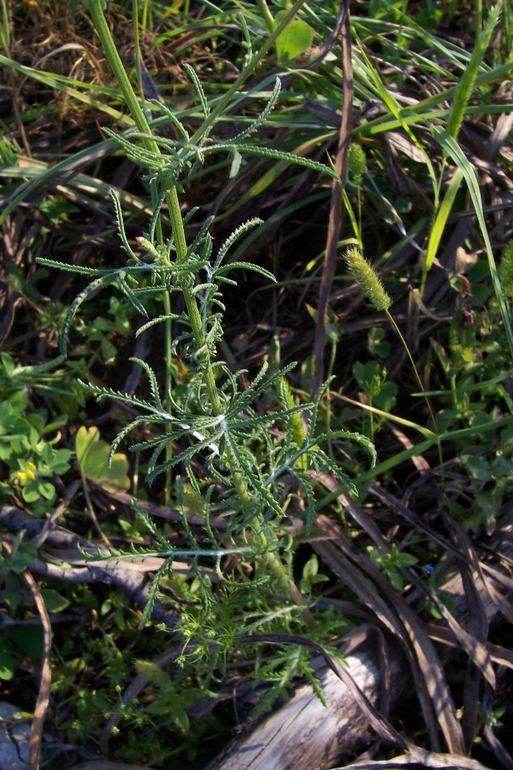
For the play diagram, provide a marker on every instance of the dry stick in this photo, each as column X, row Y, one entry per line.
column 51, row 522
column 335, row 218
column 43, row 696
column 112, row 572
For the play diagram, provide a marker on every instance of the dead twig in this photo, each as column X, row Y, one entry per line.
column 43, row 696
column 335, row 218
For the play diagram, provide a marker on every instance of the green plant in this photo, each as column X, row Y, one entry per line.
column 235, row 459
column 378, row 391
column 28, row 457
column 98, row 463
column 391, row 562
column 101, row 334
column 370, row 284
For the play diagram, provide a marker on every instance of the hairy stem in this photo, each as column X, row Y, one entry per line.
column 132, row 102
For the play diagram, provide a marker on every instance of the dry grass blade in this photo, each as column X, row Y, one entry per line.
column 496, row 597
column 475, row 588
column 501, row 753
column 366, row 592
column 428, row 661
column 103, row 764
column 498, row 654
column 43, row 696
column 473, row 644
column 335, row 217
column 377, row 491
column 358, row 514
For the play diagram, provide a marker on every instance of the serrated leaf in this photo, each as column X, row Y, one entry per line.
column 93, row 458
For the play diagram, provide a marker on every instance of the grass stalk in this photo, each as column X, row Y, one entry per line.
column 406, row 347
column 246, row 71
column 266, row 13
column 137, row 47
column 5, row 28
column 370, row 283
column 478, row 16
column 461, row 99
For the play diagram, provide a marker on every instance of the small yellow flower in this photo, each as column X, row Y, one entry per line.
column 29, row 474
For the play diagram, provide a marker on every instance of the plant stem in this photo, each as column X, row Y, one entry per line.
column 266, row 13
column 137, row 47
column 5, row 31
column 91, row 511
column 177, row 224
column 246, row 71
column 478, row 12
column 116, row 64
column 421, row 386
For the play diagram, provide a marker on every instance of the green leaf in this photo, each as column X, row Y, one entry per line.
column 30, row 493
column 6, row 661
column 152, row 672
column 29, row 639
column 54, row 601
column 395, row 578
column 440, row 221
column 311, row 568
column 366, row 373
column 180, row 718
column 294, row 40
column 467, row 169
column 109, row 351
column 22, row 557
column 406, row 560
column 60, row 461
column 93, row 458
column 477, row 466
column 46, row 489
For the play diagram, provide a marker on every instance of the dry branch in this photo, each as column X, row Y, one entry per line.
column 126, row 575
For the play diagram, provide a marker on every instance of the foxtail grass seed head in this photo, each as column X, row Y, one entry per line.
column 356, row 164
column 367, row 279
